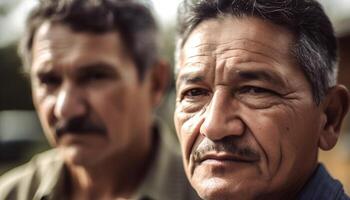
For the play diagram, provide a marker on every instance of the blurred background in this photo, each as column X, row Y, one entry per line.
column 20, row 132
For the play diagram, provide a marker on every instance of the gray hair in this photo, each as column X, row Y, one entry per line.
column 315, row 47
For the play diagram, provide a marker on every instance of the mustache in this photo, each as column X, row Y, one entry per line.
column 231, row 145
column 79, row 126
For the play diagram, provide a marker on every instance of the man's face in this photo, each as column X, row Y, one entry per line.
column 245, row 115
column 87, row 94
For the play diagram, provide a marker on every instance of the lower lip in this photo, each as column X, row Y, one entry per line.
column 73, row 138
column 216, row 162
column 79, row 135
column 223, row 168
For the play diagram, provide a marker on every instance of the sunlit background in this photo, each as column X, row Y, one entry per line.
column 20, row 132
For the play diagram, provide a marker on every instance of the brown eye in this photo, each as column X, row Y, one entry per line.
column 49, row 80
column 94, row 76
column 193, row 99
column 194, row 93
column 97, row 72
column 257, row 97
column 253, row 90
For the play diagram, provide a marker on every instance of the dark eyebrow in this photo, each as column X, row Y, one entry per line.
column 97, row 65
column 189, row 79
column 47, row 69
column 261, row 75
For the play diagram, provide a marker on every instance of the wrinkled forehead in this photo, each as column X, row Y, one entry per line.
column 214, row 37
column 56, row 44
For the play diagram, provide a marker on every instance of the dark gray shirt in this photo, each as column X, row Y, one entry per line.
column 322, row 186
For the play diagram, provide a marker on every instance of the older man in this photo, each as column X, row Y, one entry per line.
column 257, row 97
column 96, row 79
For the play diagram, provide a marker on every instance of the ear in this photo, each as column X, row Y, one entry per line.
column 160, row 77
column 335, row 106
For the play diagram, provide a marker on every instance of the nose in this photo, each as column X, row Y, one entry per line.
column 221, row 119
column 69, row 103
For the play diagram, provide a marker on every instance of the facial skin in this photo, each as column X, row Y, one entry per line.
column 90, row 82
column 245, row 115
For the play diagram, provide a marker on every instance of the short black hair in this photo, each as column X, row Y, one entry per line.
column 315, row 47
column 133, row 21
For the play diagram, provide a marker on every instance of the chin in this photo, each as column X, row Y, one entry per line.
column 77, row 156
column 223, row 189
column 213, row 188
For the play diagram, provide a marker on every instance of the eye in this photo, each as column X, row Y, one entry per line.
column 257, row 97
column 49, row 80
column 94, row 75
column 194, row 93
column 253, row 90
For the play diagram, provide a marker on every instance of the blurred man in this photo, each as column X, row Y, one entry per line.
column 96, row 79
column 257, row 97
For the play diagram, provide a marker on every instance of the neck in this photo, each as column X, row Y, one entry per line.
column 115, row 178
column 103, row 183
column 292, row 192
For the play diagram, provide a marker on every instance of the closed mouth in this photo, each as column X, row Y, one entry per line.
column 227, row 157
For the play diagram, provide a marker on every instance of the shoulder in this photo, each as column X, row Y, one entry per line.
column 322, row 185
column 23, row 181
column 166, row 178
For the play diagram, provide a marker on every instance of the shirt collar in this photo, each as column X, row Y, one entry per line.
column 53, row 175
column 155, row 186
column 166, row 162
column 321, row 186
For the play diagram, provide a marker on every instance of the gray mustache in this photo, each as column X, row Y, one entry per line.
column 79, row 126
column 230, row 144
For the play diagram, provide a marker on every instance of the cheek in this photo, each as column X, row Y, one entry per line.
column 124, row 109
column 113, row 99
column 109, row 102
column 271, row 131
column 182, row 134
column 45, row 109
column 187, row 128
column 285, row 137
column 304, row 136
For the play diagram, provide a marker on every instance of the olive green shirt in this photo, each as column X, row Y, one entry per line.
column 43, row 178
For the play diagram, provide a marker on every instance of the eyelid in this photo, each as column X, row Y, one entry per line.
column 202, row 90
column 47, row 77
column 263, row 89
column 88, row 74
column 95, row 75
column 101, row 72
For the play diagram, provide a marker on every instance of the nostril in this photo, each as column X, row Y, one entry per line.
column 210, row 128
column 218, row 128
column 236, row 126
column 201, row 132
